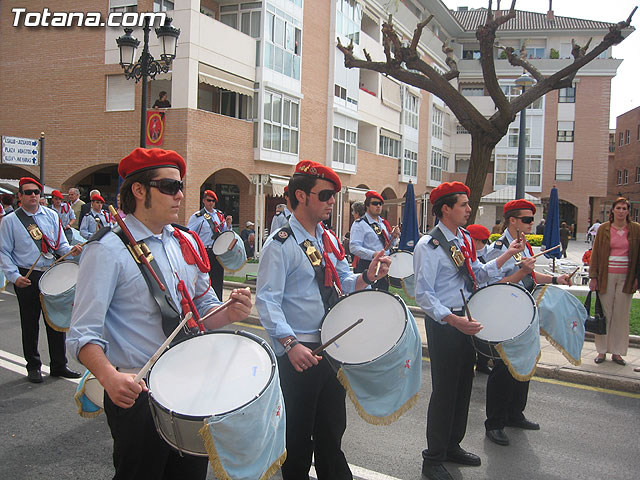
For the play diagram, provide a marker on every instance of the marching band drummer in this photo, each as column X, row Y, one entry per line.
column 371, row 233
column 209, row 223
column 65, row 212
column 117, row 324
column 506, row 396
column 96, row 219
column 302, row 269
column 445, row 262
column 24, row 235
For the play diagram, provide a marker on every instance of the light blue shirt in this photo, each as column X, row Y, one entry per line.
column 89, row 225
column 438, row 281
column 509, row 267
column 279, row 220
column 113, row 306
column 200, row 225
column 17, row 248
column 287, row 293
column 364, row 242
column 65, row 213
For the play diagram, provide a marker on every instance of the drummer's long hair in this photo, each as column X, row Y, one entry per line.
column 127, row 198
column 617, row 201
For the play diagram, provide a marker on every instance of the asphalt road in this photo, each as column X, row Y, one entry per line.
column 585, row 433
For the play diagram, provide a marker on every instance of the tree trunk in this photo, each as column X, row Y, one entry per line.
column 481, row 148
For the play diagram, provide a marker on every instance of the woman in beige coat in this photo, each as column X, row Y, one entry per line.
column 612, row 271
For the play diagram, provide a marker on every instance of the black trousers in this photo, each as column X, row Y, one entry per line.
column 216, row 273
column 452, row 358
column 382, row 284
column 138, row 451
column 506, row 397
column 30, row 309
column 316, row 420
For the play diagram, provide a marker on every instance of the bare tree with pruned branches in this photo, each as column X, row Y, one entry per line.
column 403, row 62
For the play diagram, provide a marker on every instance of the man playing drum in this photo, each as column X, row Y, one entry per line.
column 209, row 223
column 65, row 212
column 370, row 234
column 445, row 262
column 28, row 237
column 506, row 396
column 96, row 219
column 302, row 270
column 118, row 324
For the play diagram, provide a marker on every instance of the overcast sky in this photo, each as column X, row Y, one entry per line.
column 625, row 93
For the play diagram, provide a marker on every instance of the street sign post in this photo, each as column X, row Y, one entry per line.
column 20, row 151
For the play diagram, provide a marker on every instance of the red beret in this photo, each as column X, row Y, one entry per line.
column 315, row 169
column 97, row 198
column 374, row 194
column 479, row 232
column 211, row 193
column 448, row 188
column 24, row 180
column 519, row 205
column 286, row 189
column 57, row 194
column 142, row 159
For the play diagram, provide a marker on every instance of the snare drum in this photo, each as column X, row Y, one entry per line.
column 89, row 396
column 230, row 252
column 505, row 310
column 57, row 290
column 401, row 264
column 381, row 358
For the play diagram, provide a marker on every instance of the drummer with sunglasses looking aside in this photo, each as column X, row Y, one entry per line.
column 506, row 396
column 117, row 325
column 292, row 298
column 30, row 230
column 445, row 262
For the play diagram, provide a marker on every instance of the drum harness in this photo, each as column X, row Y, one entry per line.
column 529, row 281
column 215, row 228
column 39, row 238
column 361, row 264
column 459, row 259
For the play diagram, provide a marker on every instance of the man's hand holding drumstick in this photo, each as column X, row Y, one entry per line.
column 378, row 268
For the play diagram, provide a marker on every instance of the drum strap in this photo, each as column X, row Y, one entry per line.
column 382, row 235
column 454, row 253
column 215, row 229
column 529, row 281
column 39, row 238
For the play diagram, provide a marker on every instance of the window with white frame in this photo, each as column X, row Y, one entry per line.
column 462, row 163
column 162, row 5
column 460, row 130
column 439, row 163
column 345, row 145
column 470, row 91
column 514, row 137
column 437, row 122
column 411, row 110
column 620, row 139
column 389, row 147
column 348, row 17
column 514, row 91
column 280, row 123
column 506, row 167
column 567, row 95
column 123, row 6
column 619, row 175
column 283, row 43
column 627, row 137
column 625, row 177
column 565, row 131
column 637, row 174
column 535, row 52
column 564, row 170
column 120, row 93
column 410, row 163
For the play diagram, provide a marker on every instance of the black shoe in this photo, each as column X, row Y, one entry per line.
column 34, row 376
column 463, row 458
column 498, row 436
column 524, row 424
column 435, row 472
column 65, row 373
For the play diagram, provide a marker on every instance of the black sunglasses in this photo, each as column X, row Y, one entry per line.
column 167, row 186
column 35, row 191
column 324, row 195
column 526, row 219
column 484, row 242
column 375, row 204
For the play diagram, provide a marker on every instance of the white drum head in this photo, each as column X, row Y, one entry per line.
column 384, row 320
column 504, row 310
column 401, row 265
column 59, row 278
column 211, row 374
column 221, row 245
column 94, row 391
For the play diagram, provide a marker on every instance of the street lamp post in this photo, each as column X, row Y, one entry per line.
column 147, row 66
column 523, row 81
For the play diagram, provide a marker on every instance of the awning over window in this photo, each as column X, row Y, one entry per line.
column 506, row 194
column 221, row 79
column 355, row 194
column 391, row 94
column 273, row 186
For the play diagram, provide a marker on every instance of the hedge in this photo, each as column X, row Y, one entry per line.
column 534, row 240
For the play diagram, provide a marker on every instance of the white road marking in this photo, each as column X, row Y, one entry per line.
column 7, row 292
column 17, row 364
column 360, row 474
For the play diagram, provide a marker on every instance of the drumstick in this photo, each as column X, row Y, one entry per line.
column 68, row 253
column 134, row 244
column 326, row 344
column 377, row 268
column 542, row 253
column 466, row 306
column 232, row 244
column 143, row 371
column 574, row 272
column 33, row 266
column 218, row 309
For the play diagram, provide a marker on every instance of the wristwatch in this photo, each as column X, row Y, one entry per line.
column 554, row 280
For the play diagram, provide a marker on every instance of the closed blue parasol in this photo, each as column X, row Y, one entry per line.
column 551, row 236
column 409, row 235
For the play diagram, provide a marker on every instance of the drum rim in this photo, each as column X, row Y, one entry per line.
column 51, row 267
column 261, row 341
column 401, row 251
column 396, row 297
column 226, row 249
column 535, row 312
